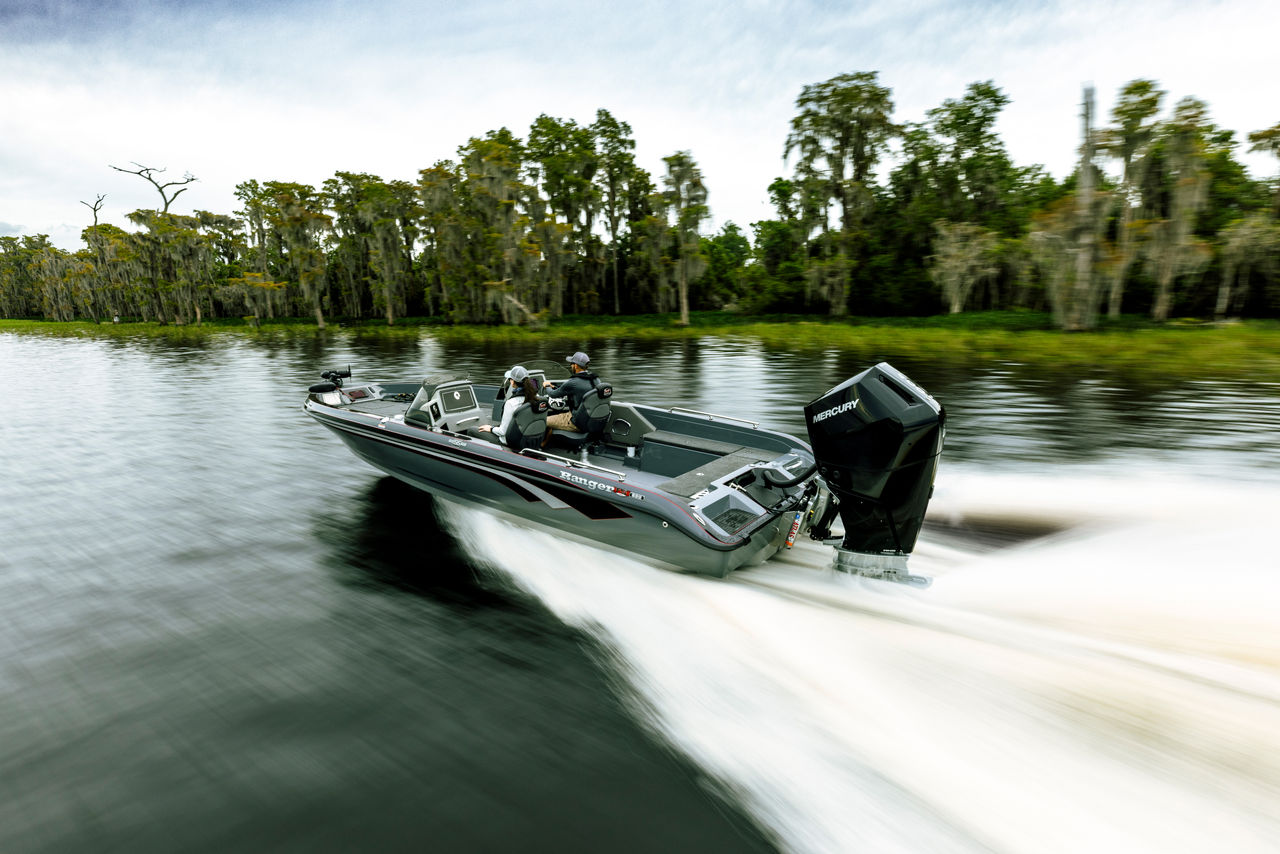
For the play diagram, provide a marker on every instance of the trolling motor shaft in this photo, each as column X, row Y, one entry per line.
column 877, row 438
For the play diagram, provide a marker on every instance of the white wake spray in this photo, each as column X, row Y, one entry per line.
column 1113, row 687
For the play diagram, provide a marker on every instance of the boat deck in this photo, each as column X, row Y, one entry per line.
column 683, row 464
column 700, row 477
column 381, row 408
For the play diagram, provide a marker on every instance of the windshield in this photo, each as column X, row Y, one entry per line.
column 437, row 379
column 433, row 380
column 554, row 371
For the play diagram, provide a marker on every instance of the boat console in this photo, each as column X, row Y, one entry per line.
column 447, row 403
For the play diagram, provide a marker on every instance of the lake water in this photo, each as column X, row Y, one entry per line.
column 220, row 630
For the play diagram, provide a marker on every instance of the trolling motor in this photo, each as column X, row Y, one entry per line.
column 335, row 378
column 877, row 437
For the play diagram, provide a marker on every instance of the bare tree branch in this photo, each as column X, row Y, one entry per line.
column 95, row 207
column 149, row 173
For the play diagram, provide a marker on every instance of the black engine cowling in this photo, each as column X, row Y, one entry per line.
column 877, row 437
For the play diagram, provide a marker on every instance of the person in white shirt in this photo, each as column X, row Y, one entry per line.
column 520, row 389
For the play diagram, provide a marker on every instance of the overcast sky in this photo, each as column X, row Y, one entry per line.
column 295, row 90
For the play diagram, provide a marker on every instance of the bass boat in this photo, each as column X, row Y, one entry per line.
column 691, row 490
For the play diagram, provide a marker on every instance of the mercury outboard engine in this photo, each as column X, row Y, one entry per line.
column 876, row 437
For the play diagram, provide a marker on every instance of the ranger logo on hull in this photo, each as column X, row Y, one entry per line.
column 603, row 487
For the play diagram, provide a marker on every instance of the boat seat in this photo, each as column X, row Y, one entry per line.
column 592, row 414
column 528, row 425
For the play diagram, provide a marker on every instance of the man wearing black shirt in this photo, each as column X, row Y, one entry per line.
column 571, row 391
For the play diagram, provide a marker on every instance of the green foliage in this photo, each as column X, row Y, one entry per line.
column 1164, row 220
column 1131, row 347
column 686, row 198
column 727, row 254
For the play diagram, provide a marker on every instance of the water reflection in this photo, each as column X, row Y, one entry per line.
column 392, row 541
column 222, row 630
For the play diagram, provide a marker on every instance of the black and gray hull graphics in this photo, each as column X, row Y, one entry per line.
column 592, row 506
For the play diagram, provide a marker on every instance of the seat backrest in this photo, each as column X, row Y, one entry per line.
column 528, row 425
column 499, row 402
column 592, row 414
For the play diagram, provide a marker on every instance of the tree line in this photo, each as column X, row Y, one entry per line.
column 877, row 218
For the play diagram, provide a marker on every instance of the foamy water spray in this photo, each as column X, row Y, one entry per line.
column 1115, row 687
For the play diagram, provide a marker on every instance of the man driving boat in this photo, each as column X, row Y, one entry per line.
column 569, row 393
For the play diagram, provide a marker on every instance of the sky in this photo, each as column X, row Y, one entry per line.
column 295, row 90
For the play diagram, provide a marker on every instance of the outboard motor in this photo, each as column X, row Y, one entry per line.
column 876, row 437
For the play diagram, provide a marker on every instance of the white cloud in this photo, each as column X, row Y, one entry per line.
column 296, row 91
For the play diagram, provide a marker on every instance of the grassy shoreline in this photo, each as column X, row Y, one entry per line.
column 1132, row 347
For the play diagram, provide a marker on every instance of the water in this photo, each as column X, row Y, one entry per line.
column 220, row 629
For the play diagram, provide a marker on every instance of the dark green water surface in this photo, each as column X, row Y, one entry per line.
column 220, row 631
